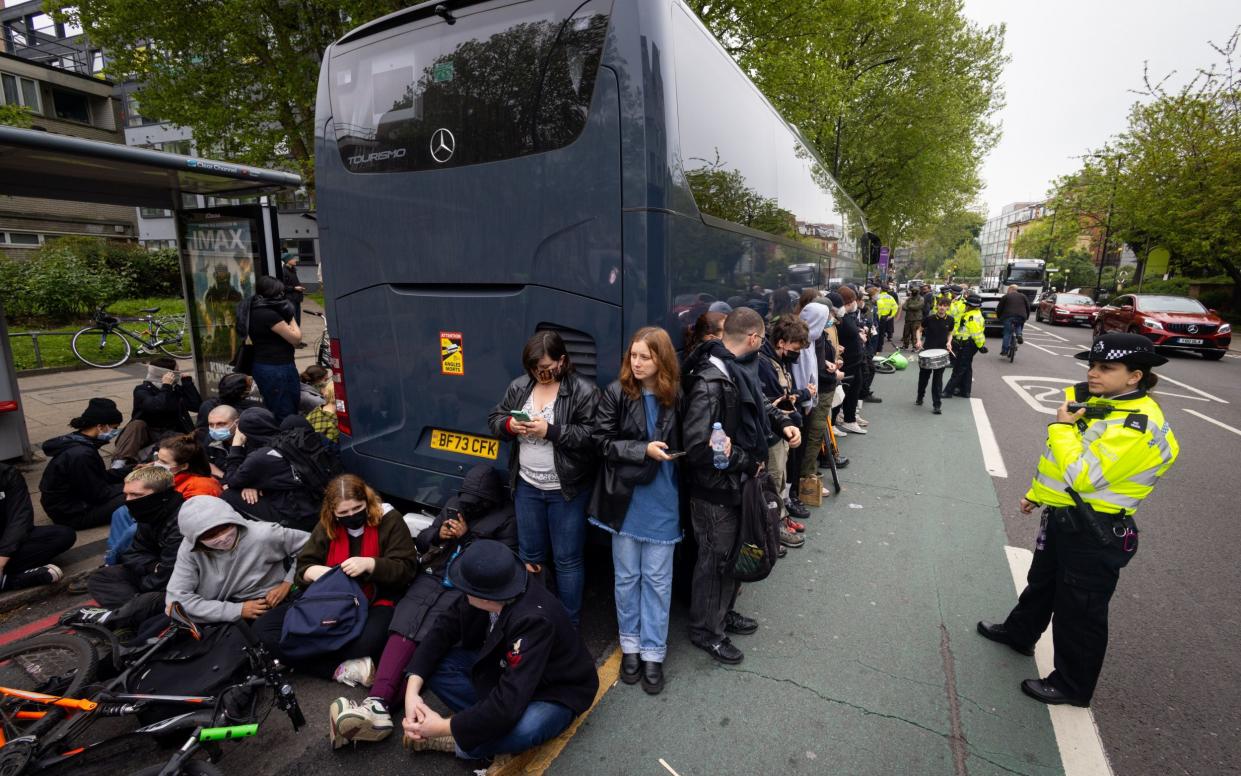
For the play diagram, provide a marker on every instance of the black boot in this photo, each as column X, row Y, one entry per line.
column 631, row 668
column 652, row 677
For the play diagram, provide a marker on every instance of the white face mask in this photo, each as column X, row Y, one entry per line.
column 164, row 466
column 224, row 542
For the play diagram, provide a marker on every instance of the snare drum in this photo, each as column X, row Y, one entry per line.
column 936, row 358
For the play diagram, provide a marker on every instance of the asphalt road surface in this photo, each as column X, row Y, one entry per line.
column 1166, row 702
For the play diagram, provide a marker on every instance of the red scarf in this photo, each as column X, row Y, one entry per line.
column 338, row 553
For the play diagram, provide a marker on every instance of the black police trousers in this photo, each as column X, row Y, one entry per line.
column 1072, row 577
column 962, row 379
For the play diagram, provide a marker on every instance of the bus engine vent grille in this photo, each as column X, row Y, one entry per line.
column 581, row 347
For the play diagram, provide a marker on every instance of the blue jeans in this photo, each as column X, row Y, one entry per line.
column 545, row 521
column 280, row 386
column 643, row 595
column 120, row 535
column 1012, row 325
column 541, row 721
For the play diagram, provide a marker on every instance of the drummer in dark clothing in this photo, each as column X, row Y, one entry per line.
column 936, row 334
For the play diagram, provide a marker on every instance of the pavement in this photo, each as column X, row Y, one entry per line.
column 50, row 399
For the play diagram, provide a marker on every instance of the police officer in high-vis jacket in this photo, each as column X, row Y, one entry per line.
column 1101, row 461
column 968, row 337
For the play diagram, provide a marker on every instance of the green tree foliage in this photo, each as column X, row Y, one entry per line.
column 941, row 239
column 240, row 74
column 15, row 116
column 898, row 98
column 1038, row 241
column 1073, row 269
column 1176, row 172
column 966, row 262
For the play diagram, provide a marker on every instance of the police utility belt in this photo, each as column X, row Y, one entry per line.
column 1106, row 528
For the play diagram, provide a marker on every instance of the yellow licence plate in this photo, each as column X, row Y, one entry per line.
column 466, row 444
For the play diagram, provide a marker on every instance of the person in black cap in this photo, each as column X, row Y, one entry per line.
column 1106, row 449
column 76, row 489
column 520, row 675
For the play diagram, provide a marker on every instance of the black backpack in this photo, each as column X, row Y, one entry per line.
column 313, row 461
column 758, row 536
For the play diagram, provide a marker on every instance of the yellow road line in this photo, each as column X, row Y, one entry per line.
column 537, row 760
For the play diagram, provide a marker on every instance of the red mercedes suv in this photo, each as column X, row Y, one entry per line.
column 1170, row 321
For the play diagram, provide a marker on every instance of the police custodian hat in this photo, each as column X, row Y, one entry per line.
column 1132, row 350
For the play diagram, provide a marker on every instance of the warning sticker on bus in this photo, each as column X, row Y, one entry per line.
column 452, row 355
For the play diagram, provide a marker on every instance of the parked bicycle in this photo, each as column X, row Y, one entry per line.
column 42, row 723
column 323, row 351
column 106, row 343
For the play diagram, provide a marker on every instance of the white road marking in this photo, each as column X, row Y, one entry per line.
column 1213, row 420
column 1045, row 331
column 1077, row 735
column 1014, row 382
column 668, row 767
column 991, row 458
column 1045, row 350
column 1163, row 377
column 1204, row 397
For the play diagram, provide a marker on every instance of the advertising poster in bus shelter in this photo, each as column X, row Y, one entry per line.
column 222, row 257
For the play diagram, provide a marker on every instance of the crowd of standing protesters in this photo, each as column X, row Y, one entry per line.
column 219, row 514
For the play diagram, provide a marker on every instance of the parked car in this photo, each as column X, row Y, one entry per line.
column 1173, row 322
column 1072, row 309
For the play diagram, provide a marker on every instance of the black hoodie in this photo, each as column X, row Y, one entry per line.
column 154, row 551
column 76, row 480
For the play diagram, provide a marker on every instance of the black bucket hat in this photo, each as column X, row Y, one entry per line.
column 489, row 570
column 1132, row 350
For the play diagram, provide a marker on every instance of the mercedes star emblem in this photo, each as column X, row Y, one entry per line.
column 443, row 144
column 1193, row 328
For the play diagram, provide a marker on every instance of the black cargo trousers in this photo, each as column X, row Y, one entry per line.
column 1072, row 576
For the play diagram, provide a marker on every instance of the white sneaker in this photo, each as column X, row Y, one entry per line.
column 863, row 422
column 839, row 432
column 852, row 428
column 365, row 721
column 358, row 671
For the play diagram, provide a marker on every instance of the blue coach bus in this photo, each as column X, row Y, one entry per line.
column 488, row 169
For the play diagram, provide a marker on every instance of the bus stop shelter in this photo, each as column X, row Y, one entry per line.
column 241, row 241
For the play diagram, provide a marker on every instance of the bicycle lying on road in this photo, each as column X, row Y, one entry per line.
column 105, row 343
column 886, row 365
column 42, row 723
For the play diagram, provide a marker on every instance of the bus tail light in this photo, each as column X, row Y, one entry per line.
column 338, row 384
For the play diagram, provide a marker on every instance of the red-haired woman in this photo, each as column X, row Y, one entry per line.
column 370, row 544
column 637, row 425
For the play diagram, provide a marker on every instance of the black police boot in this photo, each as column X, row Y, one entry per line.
column 999, row 634
column 1046, row 692
column 631, row 668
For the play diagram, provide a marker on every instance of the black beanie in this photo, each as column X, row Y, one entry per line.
column 99, row 411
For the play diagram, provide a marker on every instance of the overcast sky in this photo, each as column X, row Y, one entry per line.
column 1073, row 66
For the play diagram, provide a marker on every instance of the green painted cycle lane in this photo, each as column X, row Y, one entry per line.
column 866, row 661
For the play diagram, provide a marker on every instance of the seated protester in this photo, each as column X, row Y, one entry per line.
column 261, row 482
column 132, row 590
column 162, row 405
column 520, row 671
column 183, row 458
column 76, row 489
column 26, row 548
column 229, row 568
column 315, row 383
column 480, row 511
column 216, row 437
column 368, row 543
column 233, row 391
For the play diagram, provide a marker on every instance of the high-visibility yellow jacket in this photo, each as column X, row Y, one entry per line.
column 956, row 309
column 886, row 306
column 1111, row 462
column 970, row 326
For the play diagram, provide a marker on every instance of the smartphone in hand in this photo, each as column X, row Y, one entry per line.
column 674, row 454
column 520, row 415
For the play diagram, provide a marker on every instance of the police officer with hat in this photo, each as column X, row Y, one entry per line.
column 969, row 336
column 1106, row 449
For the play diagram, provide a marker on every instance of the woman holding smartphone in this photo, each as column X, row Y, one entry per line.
column 637, row 431
column 548, row 412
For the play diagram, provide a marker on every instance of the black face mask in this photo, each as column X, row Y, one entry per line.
column 353, row 522
column 152, row 507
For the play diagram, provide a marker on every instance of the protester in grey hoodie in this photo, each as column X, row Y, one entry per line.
column 229, row 568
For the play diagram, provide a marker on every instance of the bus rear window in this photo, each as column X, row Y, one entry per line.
column 500, row 82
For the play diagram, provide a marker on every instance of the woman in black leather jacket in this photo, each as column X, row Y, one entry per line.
column 552, row 464
column 635, row 498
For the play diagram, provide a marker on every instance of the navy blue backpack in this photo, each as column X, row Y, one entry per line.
column 329, row 615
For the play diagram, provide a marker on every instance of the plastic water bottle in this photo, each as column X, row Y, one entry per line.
column 717, row 444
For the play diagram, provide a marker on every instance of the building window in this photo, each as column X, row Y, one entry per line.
column 154, row 212
column 23, row 238
column 20, row 91
column 71, row 106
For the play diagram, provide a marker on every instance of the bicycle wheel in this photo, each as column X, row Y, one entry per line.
column 173, row 340
column 55, row 665
column 100, row 348
column 884, row 367
column 191, row 768
column 1012, row 351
